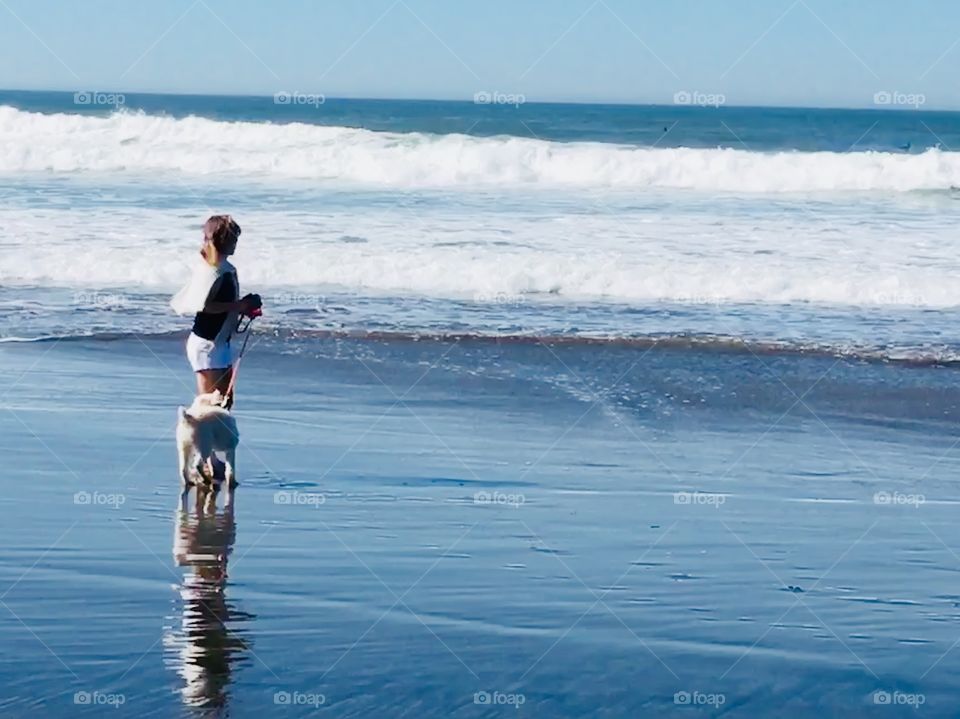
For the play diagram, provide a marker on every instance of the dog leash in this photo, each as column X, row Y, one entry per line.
column 243, row 328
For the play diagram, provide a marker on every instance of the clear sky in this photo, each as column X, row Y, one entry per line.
column 754, row 52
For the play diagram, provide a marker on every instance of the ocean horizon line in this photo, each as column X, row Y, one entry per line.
column 899, row 109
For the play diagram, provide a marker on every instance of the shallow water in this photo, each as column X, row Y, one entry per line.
column 580, row 530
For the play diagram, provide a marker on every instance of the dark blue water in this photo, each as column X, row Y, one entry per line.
column 760, row 129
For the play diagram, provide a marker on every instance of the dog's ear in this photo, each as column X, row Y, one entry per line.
column 185, row 416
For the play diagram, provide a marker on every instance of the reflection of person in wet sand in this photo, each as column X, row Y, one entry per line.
column 211, row 640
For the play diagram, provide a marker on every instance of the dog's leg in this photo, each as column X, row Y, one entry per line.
column 230, row 468
column 201, row 469
column 205, row 455
column 198, row 504
column 186, row 428
column 210, row 501
column 183, row 452
column 229, row 475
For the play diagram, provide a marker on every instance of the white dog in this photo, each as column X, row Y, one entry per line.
column 203, row 429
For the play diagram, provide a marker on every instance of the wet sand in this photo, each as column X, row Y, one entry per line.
column 473, row 529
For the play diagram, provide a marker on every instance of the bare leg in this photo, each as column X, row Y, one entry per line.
column 209, row 380
column 206, row 381
column 223, row 384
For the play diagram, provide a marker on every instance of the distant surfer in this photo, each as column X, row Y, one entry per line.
column 213, row 297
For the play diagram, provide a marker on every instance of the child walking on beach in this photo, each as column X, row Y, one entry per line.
column 213, row 297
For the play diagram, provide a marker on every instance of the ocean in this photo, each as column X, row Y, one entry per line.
column 801, row 227
column 554, row 410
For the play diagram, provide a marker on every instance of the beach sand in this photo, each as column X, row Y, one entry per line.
column 474, row 528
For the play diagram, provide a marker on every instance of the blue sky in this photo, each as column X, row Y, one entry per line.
column 754, row 52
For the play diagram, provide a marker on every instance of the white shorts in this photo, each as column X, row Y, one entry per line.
column 205, row 354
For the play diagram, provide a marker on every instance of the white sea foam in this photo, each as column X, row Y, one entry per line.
column 446, row 253
column 71, row 219
column 127, row 142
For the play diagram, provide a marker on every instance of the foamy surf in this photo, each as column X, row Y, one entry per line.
column 135, row 143
column 500, row 259
column 404, row 225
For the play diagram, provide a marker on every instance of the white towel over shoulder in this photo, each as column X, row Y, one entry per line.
column 193, row 296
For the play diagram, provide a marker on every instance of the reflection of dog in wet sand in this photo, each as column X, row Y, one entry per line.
column 203, row 429
column 212, row 638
